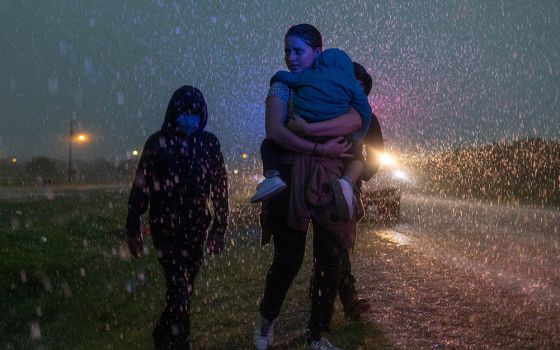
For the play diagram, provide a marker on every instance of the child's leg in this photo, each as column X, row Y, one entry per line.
column 272, row 184
column 343, row 189
column 353, row 171
column 270, row 156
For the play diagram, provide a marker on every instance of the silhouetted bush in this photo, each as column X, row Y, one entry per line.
column 43, row 170
column 524, row 171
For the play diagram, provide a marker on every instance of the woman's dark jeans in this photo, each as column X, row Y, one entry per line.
column 289, row 250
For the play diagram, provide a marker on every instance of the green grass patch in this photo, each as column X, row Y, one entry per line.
column 66, row 282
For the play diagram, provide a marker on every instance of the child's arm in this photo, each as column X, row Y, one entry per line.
column 139, row 198
column 287, row 78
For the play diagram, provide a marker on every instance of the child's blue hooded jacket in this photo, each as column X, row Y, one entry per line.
column 326, row 90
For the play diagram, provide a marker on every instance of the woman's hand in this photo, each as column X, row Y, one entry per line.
column 335, row 148
column 297, row 125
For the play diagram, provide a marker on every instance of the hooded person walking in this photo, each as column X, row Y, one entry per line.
column 180, row 174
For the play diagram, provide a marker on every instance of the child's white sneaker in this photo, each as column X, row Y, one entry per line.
column 267, row 188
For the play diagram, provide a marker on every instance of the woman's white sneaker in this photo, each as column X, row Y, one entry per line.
column 322, row 344
column 264, row 333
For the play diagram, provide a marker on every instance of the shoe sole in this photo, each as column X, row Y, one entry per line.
column 342, row 209
column 267, row 195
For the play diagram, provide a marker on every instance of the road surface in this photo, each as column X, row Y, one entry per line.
column 463, row 274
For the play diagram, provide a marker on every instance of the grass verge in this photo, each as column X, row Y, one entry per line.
column 66, row 281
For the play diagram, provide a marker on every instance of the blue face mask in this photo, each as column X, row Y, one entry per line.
column 188, row 123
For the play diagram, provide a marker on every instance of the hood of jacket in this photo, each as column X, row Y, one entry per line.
column 363, row 76
column 186, row 99
column 336, row 58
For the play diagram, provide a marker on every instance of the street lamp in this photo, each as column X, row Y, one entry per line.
column 70, row 135
column 79, row 138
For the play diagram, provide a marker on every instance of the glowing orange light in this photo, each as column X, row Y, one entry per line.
column 14, row 160
column 81, row 138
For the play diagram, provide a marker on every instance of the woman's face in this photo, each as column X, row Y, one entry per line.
column 298, row 55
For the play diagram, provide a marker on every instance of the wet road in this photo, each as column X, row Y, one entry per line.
column 462, row 274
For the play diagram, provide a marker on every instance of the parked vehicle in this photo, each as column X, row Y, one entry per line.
column 381, row 195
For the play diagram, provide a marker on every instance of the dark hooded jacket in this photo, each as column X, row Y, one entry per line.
column 178, row 176
column 375, row 146
column 374, row 137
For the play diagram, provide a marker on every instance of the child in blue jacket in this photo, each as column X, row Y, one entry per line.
column 321, row 93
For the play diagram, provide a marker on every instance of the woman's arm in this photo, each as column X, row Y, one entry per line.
column 276, row 131
column 276, row 112
column 342, row 125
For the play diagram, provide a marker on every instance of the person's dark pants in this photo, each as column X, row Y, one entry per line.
column 181, row 261
column 289, row 250
column 347, row 284
column 347, row 287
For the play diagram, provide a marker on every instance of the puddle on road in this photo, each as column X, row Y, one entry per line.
column 395, row 237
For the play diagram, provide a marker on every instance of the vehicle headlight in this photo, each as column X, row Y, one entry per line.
column 401, row 175
column 386, row 160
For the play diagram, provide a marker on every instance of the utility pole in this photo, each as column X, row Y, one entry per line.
column 70, row 135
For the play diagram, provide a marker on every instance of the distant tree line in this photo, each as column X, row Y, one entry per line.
column 526, row 171
column 45, row 171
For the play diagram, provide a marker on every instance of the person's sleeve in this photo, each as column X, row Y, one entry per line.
column 375, row 147
column 140, row 193
column 360, row 103
column 279, row 90
column 218, row 193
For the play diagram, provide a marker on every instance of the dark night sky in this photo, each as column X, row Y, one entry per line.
column 446, row 73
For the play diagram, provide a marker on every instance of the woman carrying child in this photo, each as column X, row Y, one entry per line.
column 308, row 168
